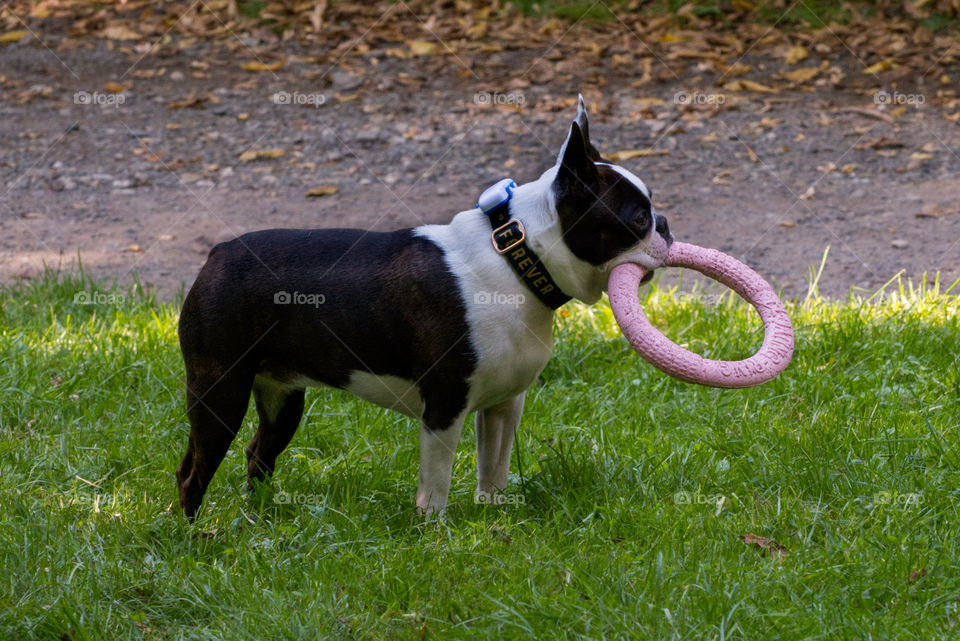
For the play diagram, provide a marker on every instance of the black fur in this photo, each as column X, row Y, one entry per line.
column 390, row 306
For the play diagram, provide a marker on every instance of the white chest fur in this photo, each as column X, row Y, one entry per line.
column 510, row 330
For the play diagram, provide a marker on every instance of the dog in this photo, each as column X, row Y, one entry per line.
column 435, row 321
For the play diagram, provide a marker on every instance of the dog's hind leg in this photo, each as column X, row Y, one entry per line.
column 280, row 408
column 217, row 400
column 496, row 427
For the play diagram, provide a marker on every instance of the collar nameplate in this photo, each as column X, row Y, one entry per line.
column 509, row 239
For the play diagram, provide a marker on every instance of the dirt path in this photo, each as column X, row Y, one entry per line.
column 146, row 187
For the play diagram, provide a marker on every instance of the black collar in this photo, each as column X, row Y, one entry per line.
column 509, row 240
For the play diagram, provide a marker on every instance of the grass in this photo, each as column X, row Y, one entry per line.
column 634, row 493
column 810, row 14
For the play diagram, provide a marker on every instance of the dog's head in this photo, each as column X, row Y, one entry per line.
column 605, row 212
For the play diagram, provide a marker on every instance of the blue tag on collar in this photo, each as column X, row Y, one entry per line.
column 496, row 195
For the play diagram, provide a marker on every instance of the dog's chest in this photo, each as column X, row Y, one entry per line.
column 510, row 330
column 512, row 350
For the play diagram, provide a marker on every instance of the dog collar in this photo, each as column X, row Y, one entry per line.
column 509, row 240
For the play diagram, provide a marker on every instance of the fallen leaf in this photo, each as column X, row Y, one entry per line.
column 12, row 36
column 322, row 190
column 880, row 143
column 809, row 193
column 736, row 69
column 192, row 100
column 917, row 574
column 764, row 544
column 787, row 223
column 257, row 66
column 113, row 87
column 748, row 85
column 883, row 65
column 627, row 154
column 849, row 168
column 422, row 47
column 121, row 32
column 134, row 248
column 259, row 154
column 796, row 54
column 721, row 178
column 929, row 148
column 899, row 244
column 804, row 74
column 869, row 113
column 916, row 160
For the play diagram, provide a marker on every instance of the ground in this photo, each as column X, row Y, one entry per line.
column 145, row 180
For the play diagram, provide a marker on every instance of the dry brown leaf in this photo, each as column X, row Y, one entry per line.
column 422, row 47
column 627, row 154
column 809, row 193
column 259, row 154
column 736, row 69
column 134, row 249
column 190, row 101
column 849, row 168
column 803, row 74
column 121, row 32
column 322, row 190
column 796, row 54
column 721, row 178
column 257, row 66
column 12, row 36
column 774, row 549
column 113, row 87
column 883, row 65
column 749, row 85
column 869, row 113
column 787, row 223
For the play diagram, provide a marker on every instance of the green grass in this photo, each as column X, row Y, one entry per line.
column 809, row 14
column 635, row 490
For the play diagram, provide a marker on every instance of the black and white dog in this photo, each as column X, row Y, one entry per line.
column 412, row 320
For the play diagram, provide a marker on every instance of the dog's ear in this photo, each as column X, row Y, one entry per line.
column 583, row 121
column 576, row 171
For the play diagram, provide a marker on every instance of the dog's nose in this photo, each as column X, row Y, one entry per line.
column 663, row 228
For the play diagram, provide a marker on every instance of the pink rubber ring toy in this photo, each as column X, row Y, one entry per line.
column 772, row 357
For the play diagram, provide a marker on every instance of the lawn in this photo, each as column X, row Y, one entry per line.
column 630, row 495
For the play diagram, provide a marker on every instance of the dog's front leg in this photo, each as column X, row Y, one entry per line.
column 495, row 429
column 437, row 449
